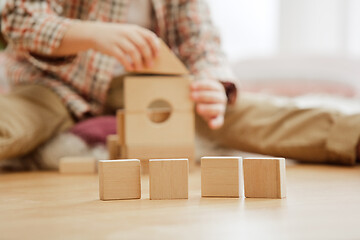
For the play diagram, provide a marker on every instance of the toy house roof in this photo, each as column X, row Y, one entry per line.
column 166, row 63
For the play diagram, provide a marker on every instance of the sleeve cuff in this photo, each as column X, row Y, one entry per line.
column 49, row 36
column 230, row 90
column 54, row 60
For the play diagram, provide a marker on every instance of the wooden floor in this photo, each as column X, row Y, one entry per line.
column 323, row 203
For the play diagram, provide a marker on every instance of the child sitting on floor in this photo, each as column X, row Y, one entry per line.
column 63, row 57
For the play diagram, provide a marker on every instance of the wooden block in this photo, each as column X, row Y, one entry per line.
column 178, row 130
column 162, row 151
column 77, row 165
column 114, row 149
column 120, row 127
column 159, row 115
column 264, row 177
column 156, row 131
column 141, row 91
column 165, row 63
column 168, row 178
column 119, row 179
column 221, row 176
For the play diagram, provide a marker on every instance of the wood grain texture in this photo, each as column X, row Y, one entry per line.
column 113, row 147
column 179, row 129
column 140, row 91
column 77, row 164
column 221, row 176
column 165, row 63
column 264, row 177
column 161, row 151
column 120, row 127
column 145, row 139
column 168, row 178
column 322, row 203
column 119, row 179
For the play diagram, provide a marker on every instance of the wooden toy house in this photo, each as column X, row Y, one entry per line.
column 158, row 116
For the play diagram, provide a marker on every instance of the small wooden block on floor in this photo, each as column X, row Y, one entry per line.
column 77, row 165
column 168, row 178
column 114, row 149
column 119, row 179
column 264, row 177
column 221, row 176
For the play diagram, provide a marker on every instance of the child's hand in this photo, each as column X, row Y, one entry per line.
column 210, row 99
column 133, row 46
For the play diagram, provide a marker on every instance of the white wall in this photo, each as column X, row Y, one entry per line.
column 263, row 28
column 312, row 27
column 248, row 27
column 353, row 39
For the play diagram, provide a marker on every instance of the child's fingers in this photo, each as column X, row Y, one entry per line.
column 207, row 96
column 122, row 58
column 143, row 47
column 152, row 40
column 217, row 122
column 206, row 85
column 210, row 110
column 130, row 49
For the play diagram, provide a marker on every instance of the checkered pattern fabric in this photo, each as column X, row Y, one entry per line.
column 82, row 81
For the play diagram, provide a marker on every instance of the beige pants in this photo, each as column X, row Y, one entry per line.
column 32, row 114
column 29, row 116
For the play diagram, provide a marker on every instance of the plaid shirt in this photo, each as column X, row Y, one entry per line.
column 82, row 81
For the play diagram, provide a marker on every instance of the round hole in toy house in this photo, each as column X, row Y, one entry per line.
column 159, row 111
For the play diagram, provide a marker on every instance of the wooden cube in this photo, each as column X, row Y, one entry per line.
column 114, row 149
column 119, row 179
column 77, row 165
column 168, row 178
column 264, row 177
column 221, row 176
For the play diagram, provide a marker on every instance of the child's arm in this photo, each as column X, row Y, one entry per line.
column 36, row 27
column 200, row 49
column 113, row 39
